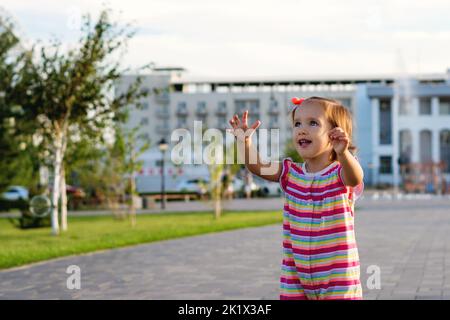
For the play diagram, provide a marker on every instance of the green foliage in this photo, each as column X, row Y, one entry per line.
column 290, row 151
column 56, row 102
column 18, row 156
column 72, row 91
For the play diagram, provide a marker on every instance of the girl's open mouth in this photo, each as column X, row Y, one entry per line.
column 304, row 143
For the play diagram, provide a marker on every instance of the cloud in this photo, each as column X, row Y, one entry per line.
column 265, row 37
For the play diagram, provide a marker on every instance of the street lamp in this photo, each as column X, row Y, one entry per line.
column 163, row 146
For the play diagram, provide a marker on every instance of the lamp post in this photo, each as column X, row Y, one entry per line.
column 162, row 147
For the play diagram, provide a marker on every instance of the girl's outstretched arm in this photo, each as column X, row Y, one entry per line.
column 270, row 171
column 352, row 173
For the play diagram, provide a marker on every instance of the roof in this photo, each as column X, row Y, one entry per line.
column 309, row 79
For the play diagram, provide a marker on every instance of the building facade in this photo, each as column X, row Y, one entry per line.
column 394, row 117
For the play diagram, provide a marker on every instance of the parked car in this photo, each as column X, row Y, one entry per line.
column 15, row 193
column 74, row 192
column 268, row 188
column 238, row 187
column 15, row 197
column 198, row 186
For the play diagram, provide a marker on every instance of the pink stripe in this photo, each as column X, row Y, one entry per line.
column 315, row 198
column 328, row 267
column 329, row 249
column 300, row 296
column 321, row 286
column 322, row 188
column 338, row 209
column 335, row 167
column 321, row 232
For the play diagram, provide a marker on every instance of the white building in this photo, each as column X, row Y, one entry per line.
column 393, row 116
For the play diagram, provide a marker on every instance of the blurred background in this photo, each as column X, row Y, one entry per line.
column 91, row 92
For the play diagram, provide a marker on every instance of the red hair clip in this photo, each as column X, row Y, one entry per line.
column 297, row 101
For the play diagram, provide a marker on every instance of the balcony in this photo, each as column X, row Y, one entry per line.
column 221, row 112
column 162, row 98
column 254, row 113
column 274, row 110
column 182, row 125
column 221, row 109
column 274, row 125
column 163, row 113
column 162, row 129
column 182, row 112
column 223, row 125
column 201, row 110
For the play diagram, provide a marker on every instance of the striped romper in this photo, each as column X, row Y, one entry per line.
column 320, row 257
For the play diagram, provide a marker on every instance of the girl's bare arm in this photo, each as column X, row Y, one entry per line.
column 352, row 173
column 270, row 171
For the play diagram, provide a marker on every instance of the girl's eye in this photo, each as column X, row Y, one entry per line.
column 297, row 124
column 314, row 123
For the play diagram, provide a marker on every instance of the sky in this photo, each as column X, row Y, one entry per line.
column 258, row 38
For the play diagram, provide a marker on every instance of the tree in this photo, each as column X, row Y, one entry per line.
column 134, row 149
column 83, row 153
column 75, row 90
column 216, row 152
column 18, row 155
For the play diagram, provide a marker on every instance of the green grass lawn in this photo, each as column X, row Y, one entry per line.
column 87, row 234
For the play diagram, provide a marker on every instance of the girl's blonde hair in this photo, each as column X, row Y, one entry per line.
column 336, row 114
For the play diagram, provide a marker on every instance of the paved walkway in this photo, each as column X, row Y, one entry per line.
column 409, row 240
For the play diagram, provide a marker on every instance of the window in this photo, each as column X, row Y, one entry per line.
column 182, row 123
column 182, row 109
column 346, row 102
column 385, row 164
column 444, row 106
column 144, row 121
column 273, row 122
column 405, row 146
column 444, row 142
column 385, row 120
column 144, row 136
column 201, row 107
column 254, row 106
column 425, row 146
column 222, row 107
column 251, row 105
column 273, row 102
column 405, row 106
column 425, row 106
column 222, row 122
column 240, row 107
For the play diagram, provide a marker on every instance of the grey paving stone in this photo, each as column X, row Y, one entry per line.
column 408, row 240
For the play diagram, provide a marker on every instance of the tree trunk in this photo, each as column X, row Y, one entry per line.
column 132, row 189
column 133, row 205
column 63, row 199
column 218, row 208
column 56, row 182
column 218, row 194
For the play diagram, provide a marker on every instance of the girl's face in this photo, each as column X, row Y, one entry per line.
column 310, row 132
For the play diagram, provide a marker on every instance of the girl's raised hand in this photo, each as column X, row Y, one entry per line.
column 240, row 129
column 339, row 140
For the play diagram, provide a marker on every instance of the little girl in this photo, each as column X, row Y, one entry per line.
column 320, row 257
